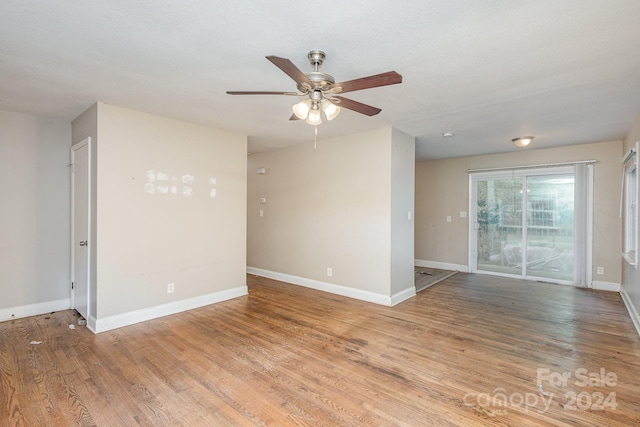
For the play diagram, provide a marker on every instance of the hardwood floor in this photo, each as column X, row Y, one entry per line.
column 286, row 355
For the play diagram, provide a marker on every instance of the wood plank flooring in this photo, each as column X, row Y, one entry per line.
column 469, row 351
column 425, row 277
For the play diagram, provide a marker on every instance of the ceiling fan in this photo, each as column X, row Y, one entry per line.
column 321, row 91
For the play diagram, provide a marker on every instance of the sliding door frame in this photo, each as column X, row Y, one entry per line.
column 524, row 172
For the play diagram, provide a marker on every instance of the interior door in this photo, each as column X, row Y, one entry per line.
column 80, row 256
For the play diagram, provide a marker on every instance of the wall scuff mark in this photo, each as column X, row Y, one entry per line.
column 163, row 183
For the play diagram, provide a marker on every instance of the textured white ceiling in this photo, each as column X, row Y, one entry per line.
column 565, row 71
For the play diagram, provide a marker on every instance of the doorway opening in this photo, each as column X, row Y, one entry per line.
column 81, row 227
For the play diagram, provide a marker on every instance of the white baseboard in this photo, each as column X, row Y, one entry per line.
column 327, row 287
column 441, row 265
column 633, row 312
column 606, row 286
column 91, row 323
column 133, row 317
column 34, row 309
column 403, row 295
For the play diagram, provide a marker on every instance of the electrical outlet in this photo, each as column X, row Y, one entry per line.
column 171, row 287
column 448, row 218
column 329, row 271
column 600, row 270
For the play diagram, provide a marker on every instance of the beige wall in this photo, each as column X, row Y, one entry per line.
column 630, row 274
column 403, row 154
column 34, row 215
column 189, row 229
column 330, row 207
column 442, row 189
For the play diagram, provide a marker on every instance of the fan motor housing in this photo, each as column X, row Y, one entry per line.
column 318, row 80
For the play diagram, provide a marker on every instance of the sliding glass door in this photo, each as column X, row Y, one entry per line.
column 524, row 224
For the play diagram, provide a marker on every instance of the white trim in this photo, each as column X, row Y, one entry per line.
column 327, row 287
column 631, row 260
column 631, row 242
column 540, row 166
column 472, row 257
column 401, row 296
column 12, row 313
column 91, row 323
column 605, row 286
column 589, row 231
column 633, row 312
column 142, row 315
column 553, row 281
column 441, row 265
column 532, row 279
column 74, row 148
column 589, row 236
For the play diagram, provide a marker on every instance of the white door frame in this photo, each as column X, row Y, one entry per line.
column 74, row 148
column 520, row 173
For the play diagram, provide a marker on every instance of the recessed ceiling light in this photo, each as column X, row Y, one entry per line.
column 447, row 134
column 522, row 141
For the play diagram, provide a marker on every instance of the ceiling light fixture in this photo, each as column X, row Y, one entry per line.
column 330, row 109
column 302, row 108
column 318, row 97
column 309, row 109
column 522, row 141
column 320, row 90
column 447, row 134
column 314, row 116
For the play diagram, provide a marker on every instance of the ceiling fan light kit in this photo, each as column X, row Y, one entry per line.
column 302, row 108
column 314, row 116
column 320, row 90
column 330, row 109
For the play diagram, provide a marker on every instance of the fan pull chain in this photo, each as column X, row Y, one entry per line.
column 315, row 138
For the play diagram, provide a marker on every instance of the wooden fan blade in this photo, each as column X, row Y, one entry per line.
column 294, row 117
column 236, row 92
column 356, row 106
column 289, row 69
column 384, row 79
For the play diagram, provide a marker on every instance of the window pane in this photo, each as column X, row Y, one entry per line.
column 499, row 217
column 550, row 226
